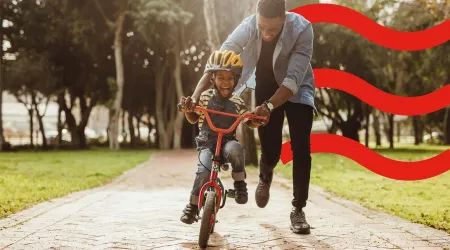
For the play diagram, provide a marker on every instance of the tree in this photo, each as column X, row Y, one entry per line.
column 341, row 49
column 162, row 23
column 447, row 126
column 6, row 11
column 419, row 72
column 72, row 42
column 139, row 96
column 211, row 24
column 117, row 27
column 32, row 88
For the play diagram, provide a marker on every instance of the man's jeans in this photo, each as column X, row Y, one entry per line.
column 300, row 117
column 232, row 152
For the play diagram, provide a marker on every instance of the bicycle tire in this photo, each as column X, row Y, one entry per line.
column 208, row 219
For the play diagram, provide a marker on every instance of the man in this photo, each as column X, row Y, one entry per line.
column 279, row 45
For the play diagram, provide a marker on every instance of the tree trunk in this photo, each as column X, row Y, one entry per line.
column 77, row 130
column 164, row 141
column 149, row 139
column 40, row 118
column 376, row 128
column 178, row 129
column 366, row 127
column 248, row 135
column 178, row 125
column 59, row 128
column 78, row 137
column 212, row 30
column 161, row 123
column 131, row 129
column 447, row 124
column 418, row 131
column 350, row 130
column 82, row 136
column 31, row 114
column 138, row 126
column 333, row 128
column 116, row 107
column 391, row 131
column 399, row 132
column 124, row 130
column 41, row 125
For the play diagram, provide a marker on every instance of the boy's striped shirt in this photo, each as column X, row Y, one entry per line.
column 207, row 95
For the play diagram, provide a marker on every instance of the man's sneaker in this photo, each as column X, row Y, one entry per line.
column 298, row 222
column 262, row 193
column 189, row 215
column 241, row 192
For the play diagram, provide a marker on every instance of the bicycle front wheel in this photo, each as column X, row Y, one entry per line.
column 208, row 219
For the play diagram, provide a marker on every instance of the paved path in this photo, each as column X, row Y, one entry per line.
column 141, row 210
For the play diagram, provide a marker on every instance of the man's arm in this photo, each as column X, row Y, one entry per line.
column 203, row 84
column 298, row 64
column 192, row 117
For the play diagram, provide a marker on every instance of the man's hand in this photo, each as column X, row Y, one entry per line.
column 261, row 111
column 188, row 104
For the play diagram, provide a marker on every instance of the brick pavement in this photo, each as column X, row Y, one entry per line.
column 141, row 210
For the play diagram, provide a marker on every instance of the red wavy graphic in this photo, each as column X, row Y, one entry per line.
column 361, row 24
column 400, row 105
column 393, row 169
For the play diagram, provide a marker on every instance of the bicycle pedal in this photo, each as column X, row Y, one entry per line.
column 231, row 193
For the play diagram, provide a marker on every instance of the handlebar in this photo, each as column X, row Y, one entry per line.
column 233, row 127
column 204, row 110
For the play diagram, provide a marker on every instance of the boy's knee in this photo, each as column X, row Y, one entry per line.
column 203, row 174
column 200, row 180
column 234, row 150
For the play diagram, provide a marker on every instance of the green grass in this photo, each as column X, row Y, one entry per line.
column 27, row 178
column 426, row 201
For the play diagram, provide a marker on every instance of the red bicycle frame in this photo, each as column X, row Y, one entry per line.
column 216, row 165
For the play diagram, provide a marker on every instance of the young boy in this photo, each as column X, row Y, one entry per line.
column 226, row 68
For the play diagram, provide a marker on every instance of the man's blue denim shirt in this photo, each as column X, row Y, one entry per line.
column 291, row 59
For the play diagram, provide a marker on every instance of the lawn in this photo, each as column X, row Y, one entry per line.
column 27, row 178
column 426, row 201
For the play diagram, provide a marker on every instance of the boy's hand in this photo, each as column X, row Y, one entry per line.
column 188, row 104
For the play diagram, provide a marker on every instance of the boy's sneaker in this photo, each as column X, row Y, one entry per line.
column 241, row 192
column 189, row 215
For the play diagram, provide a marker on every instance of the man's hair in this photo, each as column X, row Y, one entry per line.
column 271, row 8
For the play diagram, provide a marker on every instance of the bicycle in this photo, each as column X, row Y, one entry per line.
column 213, row 191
